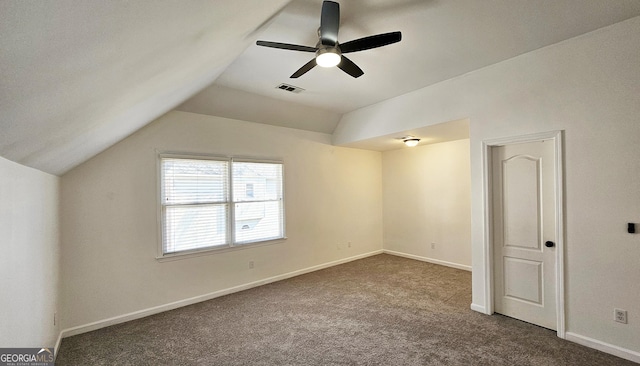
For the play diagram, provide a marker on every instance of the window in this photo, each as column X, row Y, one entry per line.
column 248, row 190
column 211, row 203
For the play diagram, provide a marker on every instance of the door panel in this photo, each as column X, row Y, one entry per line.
column 523, row 183
column 521, row 205
column 523, row 280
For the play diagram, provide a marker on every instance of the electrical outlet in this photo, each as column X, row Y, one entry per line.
column 349, row 245
column 250, row 264
column 620, row 316
column 433, row 245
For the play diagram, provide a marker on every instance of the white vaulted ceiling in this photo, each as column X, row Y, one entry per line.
column 78, row 76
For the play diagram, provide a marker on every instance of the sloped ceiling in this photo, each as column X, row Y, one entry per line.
column 78, row 76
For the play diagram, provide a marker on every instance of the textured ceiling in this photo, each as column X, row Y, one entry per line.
column 78, row 76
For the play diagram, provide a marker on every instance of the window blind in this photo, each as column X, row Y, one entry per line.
column 195, row 203
column 214, row 203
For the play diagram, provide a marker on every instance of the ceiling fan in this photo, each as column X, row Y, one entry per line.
column 328, row 51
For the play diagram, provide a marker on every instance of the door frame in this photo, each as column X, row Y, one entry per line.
column 487, row 145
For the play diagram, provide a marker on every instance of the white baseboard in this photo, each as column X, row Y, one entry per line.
column 604, row 347
column 193, row 300
column 479, row 308
column 430, row 260
column 56, row 348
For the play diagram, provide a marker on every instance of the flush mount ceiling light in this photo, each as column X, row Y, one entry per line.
column 411, row 141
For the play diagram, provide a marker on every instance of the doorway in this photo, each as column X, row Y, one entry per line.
column 524, row 248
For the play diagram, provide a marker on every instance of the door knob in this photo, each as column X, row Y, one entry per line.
column 549, row 244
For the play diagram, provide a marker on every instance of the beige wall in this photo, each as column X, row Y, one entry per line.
column 29, row 264
column 109, row 210
column 427, row 199
column 589, row 87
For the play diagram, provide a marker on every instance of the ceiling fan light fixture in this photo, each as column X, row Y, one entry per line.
column 411, row 142
column 328, row 50
column 328, row 57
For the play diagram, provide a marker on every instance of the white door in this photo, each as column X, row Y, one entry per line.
column 524, row 218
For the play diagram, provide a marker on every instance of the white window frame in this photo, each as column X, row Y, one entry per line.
column 231, row 239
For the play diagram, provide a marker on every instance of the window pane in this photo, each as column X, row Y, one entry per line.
column 188, row 181
column 257, row 181
column 193, row 227
column 257, row 221
column 196, row 208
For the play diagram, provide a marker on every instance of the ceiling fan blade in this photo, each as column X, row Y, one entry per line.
column 366, row 43
column 329, row 23
column 303, row 70
column 350, row 68
column 286, row 46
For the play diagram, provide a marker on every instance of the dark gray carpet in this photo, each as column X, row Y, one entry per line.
column 382, row 310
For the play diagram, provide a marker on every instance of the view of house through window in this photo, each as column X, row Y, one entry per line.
column 202, row 210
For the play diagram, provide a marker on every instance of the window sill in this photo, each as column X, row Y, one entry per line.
column 209, row 251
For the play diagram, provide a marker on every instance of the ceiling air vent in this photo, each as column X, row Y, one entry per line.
column 290, row 88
